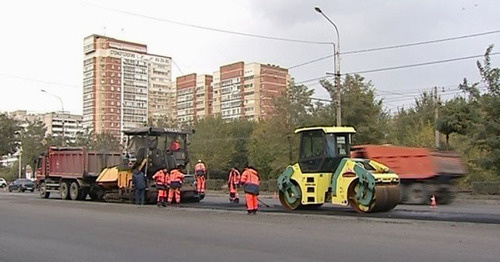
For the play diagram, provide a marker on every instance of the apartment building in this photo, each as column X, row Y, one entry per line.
column 56, row 123
column 124, row 86
column 194, row 97
column 247, row 90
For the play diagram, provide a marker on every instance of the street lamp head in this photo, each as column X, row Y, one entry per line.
column 318, row 9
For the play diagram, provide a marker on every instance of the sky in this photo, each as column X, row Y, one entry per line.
column 42, row 42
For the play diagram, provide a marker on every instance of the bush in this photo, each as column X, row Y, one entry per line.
column 486, row 188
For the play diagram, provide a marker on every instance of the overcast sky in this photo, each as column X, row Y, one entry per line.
column 42, row 42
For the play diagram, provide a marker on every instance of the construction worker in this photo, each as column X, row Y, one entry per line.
column 174, row 181
column 201, row 172
column 251, row 181
column 139, row 180
column 175, row 145
column 160, row 178
column 233, row 184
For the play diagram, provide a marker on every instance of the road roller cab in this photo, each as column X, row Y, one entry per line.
column 325, row 173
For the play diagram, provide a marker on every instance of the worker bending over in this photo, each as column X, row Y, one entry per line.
column 251, row 181
column 233, row 184
column 161, row 186
column 174, row 181
column 200, row 171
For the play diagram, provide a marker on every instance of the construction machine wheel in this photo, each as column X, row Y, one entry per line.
column 417, row 194
column 64, row 190
column 74, row 191
column 43, row 191
column 288, row 205
column 385, row 198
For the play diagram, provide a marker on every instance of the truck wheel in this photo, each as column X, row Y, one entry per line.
column 417, row 194
column 43, row 191
column 64, row 190
column 75, row 191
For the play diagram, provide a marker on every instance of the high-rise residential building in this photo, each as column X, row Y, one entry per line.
column 123, row 85
column 54, row 122
column 194, row 97
column 247, row 90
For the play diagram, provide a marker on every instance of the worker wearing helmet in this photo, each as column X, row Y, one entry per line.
column 174, row 181
column 200, row 171
column 233, row 184
column 160, row 178
column 251, row 181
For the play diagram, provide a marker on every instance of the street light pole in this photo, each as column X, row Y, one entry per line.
column 336, row 62
column 62, row 112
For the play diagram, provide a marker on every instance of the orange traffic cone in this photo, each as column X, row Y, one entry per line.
column 275, row 195
column 433, row 202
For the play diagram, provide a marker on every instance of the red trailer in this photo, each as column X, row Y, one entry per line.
column 423, row 172
column 72, row 171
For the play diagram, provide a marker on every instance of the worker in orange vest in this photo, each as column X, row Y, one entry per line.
column 174, row 181
column 233, row 184
column 201, row 172
column 251, row 181
column 160, row 178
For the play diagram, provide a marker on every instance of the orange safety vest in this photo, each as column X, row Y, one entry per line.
column 200, row 169
column 250, row 176
column 175, row 176
column 234, row 177
column 160, row 177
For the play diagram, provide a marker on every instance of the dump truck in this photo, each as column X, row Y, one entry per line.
column 76, row 172
column 325, row 173
column 423, row 172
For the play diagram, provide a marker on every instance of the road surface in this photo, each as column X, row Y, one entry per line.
column 34, row 229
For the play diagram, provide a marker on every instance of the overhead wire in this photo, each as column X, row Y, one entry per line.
column 206, row 27
column 397, row 46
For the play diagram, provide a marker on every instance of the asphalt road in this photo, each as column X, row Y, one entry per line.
column 34, row 229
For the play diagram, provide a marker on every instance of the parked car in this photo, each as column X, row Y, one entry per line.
column 22, row 185
column 3, row 182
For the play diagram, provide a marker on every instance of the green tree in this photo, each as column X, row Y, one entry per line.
column 214, row 143
column 456, row 116
column 414, row 126
column 486, row 133
column 105, row 142
column 32, row 141
column 8, row 130
column 361, row 109
column 273, row 145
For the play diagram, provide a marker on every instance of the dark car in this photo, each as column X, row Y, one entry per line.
column 22, row 185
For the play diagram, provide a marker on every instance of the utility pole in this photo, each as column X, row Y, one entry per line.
column 436, row 116
column 20, row 159
column 336, row 62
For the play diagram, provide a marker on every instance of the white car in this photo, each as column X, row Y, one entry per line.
column 3, row 183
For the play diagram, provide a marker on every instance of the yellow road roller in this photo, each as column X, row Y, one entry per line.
column 326, row 173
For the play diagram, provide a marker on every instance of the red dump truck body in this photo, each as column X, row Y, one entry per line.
column 412, row 162
column 76, row 162
column 423, row 172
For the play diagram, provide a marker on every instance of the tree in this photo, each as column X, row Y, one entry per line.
column 8, row 130
column 105, row 142
column 360, row 109
column 456, row 116
column 272, row 144
column 32, row 138
column 214, row 143
column 486, row 135
column 414, row 126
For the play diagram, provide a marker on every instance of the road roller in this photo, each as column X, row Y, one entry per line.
column 325, row 172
